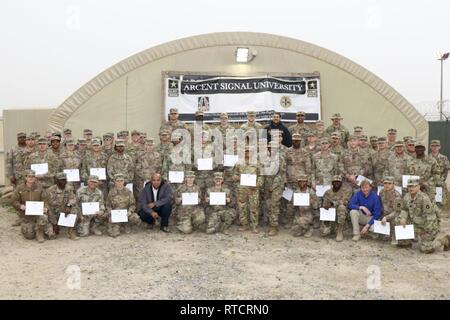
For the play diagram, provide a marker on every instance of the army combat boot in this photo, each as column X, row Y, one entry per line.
column 273, row 231
column 340, row 233
column 40, row 234
column 72, row 234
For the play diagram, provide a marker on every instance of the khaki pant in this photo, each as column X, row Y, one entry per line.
column 359, row 218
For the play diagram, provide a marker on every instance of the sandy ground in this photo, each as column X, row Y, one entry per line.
column 153, row 265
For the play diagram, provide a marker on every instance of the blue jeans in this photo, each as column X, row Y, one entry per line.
column 163, row 211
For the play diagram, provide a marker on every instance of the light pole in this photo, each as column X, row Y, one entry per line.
column 442, row 57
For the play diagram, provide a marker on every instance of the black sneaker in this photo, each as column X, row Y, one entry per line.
column 165, row 229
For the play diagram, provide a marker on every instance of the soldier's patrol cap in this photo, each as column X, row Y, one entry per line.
column 124, row 133
column 353, row 137
column 251, row 113
column 30, row 173
column 55, row 138
column 358, row 129
column 164, row 132
column 93, row 178
column 189, row 174
column 337, row 178
column 67, row 130
column 407, row 138
column 296, row 136
column 218, row 175
column 302, row 177
column 435, row 143
column 412, row 142
column 144, row 134
column 381, row 140
column 335, row 135
column 300, row 113
column 82, row 141
column 420, row 144
column 35, row 134
column 324, row 141
column 30, row 137
column 319, row 122
column 135, row 132
column 392, row 131
column 373, row 138
column 119, row 143
column 224, row 115
column 70, row 142
column 399, row 144
column 388, row 179
column 336, row 116
column 173, row 110
column 150, row 140
column 119, row 176
column 61, row 176
column 363, row 138
column 21, row 134
column 198, row 113
column 96, row 142
column 108, row 135
column 413, row 182
column 42, row 141
column 87, row 131
column 310, row 134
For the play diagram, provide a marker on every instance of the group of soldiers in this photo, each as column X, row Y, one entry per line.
column 318, row 157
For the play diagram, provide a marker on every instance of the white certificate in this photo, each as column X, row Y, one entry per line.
column 217, row 198
column 34, row 208
column 68, row 221
column 205, row 164
column 176, row 176
column 328, row 215
column 287, row 194
column 229, row 160
column 321, row 189
column 39, row 168
column 73, row 175
column 189, row 198
column 404, row 233
column 89, row 208
column 360, row 179
column 130, row 186
column 438, row 197
column 405, row 179
column 119, row 216
column 248, row 180
column 398, row 189
column 99, row 172
column 301, row 199
column 379, row 228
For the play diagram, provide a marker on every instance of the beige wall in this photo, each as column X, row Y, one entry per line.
column 358, row 103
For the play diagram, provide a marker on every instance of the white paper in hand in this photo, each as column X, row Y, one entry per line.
column 130, row 186
column 405, row 179
column 34, row 208
column 99, row 172
column 39, row 168
column 189, row 198
column 321, row 189
column 119, row 216
column 217, row 198
column 328, row 215
column 229, row 160
column 73, row 175
column 89, row 208
column 438, row 197
column 248, row 180
column 68, row 221
column 404, row 233
column 205, row 164
column 301, row 199
column 287, row 194
column 176, row 176
column 379, row 228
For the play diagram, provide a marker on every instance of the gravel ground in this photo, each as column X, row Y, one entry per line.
column 153, row 265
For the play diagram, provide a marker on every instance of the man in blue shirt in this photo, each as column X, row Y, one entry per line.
column 365, row 208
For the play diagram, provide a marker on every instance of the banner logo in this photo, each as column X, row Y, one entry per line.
column 285, row 102
column 312, row 89
column 172, row 88
column 203, row 104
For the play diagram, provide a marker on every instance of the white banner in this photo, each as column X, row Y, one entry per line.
column 236, row 95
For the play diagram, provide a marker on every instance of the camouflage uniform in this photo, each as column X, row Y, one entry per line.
column 301, row 129
column 303, row 217
column 120, row 164
column 133, row 150
column 147, row 163
column 428, row 171
column 95, row 160
column 70, row 161
column 86, row 195
column 391, row 202
column 189, row 217
column 444, row 166
column 172, row 125
column 164, row 150
column 14, row 165
column 47, row 157
column 219, row 215
column 324, row 167
column 379, row 165
column 343, row 132
column 355, row 163
column 397, row 167
column 122, row 199
column 203, row 177
column 339, row 201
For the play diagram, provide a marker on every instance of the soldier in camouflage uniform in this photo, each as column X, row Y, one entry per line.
column 391, row 139
column 70, row 159
column 189, row 217
column 443, row 164
column 339, row 128
column 13, row 162
column 397, row 163
column 248, row 196
column 95, row 158
column 365, row 147
column 90, row 223
column 81, row 147
column 303, row 218
column 312, row 145
column 203, row 177
column 355, row 163
column 62, row 199
column 410, row 146
column 336, row 145
column 297, row 162
column 173, row 122
column 423, row 214
column 224, row 127
column 120, row 162
column 374, row 143
column 43, row 155
column 301, row 128
column 32, row 226
column 391, row 201
column 219, row 217
column 148, row 162
column 135, row 146
column 251, row 124
column 319, row 130
column 55, row 143
column 358, row 131
column 87, row 135
column 108, row 144
column 120, row 198
column 427, row 169
column 337, row 197
column 380, row 161
column 164, row 149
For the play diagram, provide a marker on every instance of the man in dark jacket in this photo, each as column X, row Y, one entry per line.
column 155, row 202
column 276, row 124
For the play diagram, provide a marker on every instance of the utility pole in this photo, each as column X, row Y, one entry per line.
column 442, row 57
